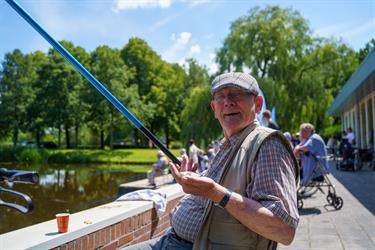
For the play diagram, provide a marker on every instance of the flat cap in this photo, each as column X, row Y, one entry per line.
column 235, row 79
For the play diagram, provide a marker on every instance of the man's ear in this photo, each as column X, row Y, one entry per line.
column 212, row 104
column 258, row 104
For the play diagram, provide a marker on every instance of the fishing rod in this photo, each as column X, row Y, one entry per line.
column 94, row 82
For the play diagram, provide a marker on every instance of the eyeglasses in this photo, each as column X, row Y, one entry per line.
column 234, row 97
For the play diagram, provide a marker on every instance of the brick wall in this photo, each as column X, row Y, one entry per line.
column 132, row 230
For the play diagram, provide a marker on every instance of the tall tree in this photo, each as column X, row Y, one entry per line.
column 137, row 54
column 36, row 110
column 159, row 83
column 297, row 72
column 16, row 92
column 197, row 118
column 62, row 86
column 167, row 94
column 109, row 68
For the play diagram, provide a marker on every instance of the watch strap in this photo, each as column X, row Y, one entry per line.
column 225, row 199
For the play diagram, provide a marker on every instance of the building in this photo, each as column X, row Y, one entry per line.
column 356, row 103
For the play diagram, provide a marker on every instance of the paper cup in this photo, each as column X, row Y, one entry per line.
column 62, row 222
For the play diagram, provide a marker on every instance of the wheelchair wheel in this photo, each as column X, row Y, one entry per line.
column 299, row 204
column 338, row 203
column 330, row 198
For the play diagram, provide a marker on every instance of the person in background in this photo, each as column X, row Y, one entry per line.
column 288, row 136
column 268, row 121
column 332, row 144
column 194, row 152
column 312, row 151
column 350, row 136
column 183, row 152
column 247, row 199
column 157, row 168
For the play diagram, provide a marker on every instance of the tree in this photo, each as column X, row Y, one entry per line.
column 137, row 54
column 159, row 83
column 196, row 75
column 16, row 92
column 35, row 122
column 363, row 52
column 264, row 41
column 167, row 95
column 197, row 118
column 109, row 68
column 299, row 74
column 61, row 89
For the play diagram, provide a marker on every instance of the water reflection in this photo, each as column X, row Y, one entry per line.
column 69, row 188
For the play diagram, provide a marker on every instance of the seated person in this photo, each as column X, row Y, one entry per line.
column 346, row 149
column 311, row 145
column 157, row 168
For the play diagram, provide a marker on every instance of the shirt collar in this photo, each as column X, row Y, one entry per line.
column 234, row 138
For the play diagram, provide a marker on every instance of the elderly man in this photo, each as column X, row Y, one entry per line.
column 311, row 150
column 247, row 198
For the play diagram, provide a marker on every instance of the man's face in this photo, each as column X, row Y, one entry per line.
column 235, row 109
column 304, row 134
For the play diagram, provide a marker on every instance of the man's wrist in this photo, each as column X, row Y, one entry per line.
column 217, row 193
column 224, row 201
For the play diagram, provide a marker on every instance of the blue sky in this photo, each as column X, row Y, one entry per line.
column 175, row 29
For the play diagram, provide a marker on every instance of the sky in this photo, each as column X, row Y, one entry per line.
column 175, row 29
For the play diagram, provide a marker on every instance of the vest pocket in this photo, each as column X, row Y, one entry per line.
column 228, row 233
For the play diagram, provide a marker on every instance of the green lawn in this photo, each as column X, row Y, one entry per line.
column 104, row 156
column 122, row 156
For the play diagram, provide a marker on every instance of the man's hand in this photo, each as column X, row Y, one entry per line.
column 194, row 184
column 185, row 168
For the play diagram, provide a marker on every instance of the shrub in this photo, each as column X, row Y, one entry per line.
column 30, row 155
column 176, row 145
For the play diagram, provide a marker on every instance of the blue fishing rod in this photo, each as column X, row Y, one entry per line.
column 112, row 99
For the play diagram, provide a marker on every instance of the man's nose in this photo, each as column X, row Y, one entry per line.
column 228, row 101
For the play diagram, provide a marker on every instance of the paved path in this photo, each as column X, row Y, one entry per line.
column 353, row 227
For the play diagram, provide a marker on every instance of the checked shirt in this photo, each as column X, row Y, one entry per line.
column 273, row 166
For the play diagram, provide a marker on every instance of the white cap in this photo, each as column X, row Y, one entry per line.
column 236, row 79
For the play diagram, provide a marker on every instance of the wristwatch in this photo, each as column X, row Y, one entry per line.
column 225, row 199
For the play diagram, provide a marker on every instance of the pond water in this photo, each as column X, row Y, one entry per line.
column 65, row 188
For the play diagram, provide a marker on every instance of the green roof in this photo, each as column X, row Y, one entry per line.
column 360, row 84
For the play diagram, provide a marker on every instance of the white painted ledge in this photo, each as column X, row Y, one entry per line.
column 45, row 236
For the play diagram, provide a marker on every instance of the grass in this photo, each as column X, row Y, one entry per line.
column 118, row 156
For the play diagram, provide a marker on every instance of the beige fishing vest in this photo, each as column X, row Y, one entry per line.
column 219, row 229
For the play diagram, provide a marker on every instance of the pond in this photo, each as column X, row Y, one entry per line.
column 65, row 188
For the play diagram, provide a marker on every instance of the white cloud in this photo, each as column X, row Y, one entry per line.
column 213, row 67
column 194, row 3
column 183, row 39
column 179, row 48
column 194, row 50
column 163, row 22
column 135, row 4
column 365, row 28
column 347, row 30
